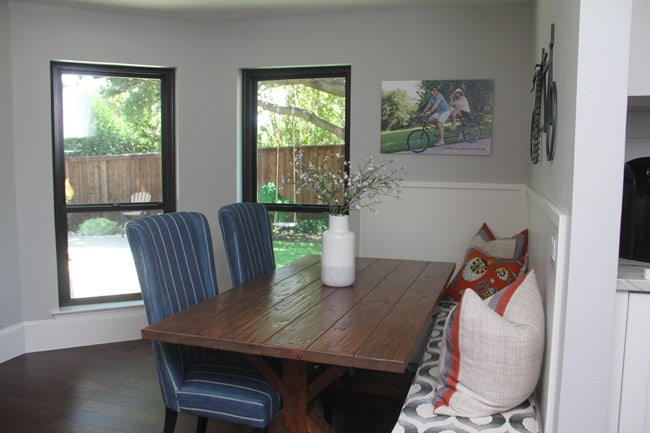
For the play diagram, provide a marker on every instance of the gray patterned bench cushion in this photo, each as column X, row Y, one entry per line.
column 417, row 412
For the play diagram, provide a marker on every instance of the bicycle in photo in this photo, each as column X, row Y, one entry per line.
column 467, row 130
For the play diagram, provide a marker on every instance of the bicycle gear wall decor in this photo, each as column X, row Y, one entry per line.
column 437, row 117
column 544, row 118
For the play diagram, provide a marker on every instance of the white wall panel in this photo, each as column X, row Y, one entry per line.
column 435, row 220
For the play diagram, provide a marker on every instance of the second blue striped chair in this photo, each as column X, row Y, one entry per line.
column 247, row 239
column 175, row 265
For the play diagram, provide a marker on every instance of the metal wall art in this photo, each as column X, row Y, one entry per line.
column 544, row 117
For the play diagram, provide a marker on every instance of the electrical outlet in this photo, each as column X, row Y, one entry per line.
column 553, row 250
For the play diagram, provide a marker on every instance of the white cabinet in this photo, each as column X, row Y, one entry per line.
column 639, row 74
column 634, row 415
column 631, row 360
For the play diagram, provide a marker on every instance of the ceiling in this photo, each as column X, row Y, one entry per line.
column 231, row 10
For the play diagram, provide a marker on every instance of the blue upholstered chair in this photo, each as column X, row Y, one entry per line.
column 246, row 230
column 175, row 265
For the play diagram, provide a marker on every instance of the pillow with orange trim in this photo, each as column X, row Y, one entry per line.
column 492, row 351
column 486, row 241
column 484, row 274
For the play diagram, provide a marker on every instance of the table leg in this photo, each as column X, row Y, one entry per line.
column 294, row 401
column 299, row 414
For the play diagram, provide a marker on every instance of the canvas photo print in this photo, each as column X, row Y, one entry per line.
column 437, row 117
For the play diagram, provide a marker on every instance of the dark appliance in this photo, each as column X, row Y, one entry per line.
column 635, row 216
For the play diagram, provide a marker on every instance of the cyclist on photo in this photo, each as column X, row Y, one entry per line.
column 460, row 106
column 439, row 110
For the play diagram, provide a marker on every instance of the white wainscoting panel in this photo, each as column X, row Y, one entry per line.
column 548, row 251
column 436, row 220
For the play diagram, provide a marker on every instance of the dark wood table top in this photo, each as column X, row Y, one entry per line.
column 289, row 314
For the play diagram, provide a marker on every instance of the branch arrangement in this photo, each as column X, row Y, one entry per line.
column 362, row 188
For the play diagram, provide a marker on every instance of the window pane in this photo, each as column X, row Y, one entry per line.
column 289, row 110
column 99, row 258
column 296, row 234
column 112, row 138
column 114, row 160
column 299, row 114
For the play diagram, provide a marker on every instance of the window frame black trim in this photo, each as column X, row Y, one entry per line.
column 250, row 79
column 168, row 161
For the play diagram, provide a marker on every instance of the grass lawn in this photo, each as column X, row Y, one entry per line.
column 395, row 141
column 288, row 251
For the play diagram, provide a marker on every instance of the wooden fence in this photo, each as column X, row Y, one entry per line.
column 275, row 164
column 113, row 178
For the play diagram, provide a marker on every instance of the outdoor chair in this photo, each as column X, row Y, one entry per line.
column 246, row 231
column 175, row 265
column 138, row 197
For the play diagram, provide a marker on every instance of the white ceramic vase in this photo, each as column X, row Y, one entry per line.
column 337, row 257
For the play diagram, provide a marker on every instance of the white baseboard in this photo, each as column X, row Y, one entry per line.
column 72, row 330
column 12, row 342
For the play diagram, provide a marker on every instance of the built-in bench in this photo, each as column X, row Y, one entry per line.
column 417, row 412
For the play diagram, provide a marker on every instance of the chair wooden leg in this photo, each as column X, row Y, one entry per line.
column 170, row 420
column 201, row 424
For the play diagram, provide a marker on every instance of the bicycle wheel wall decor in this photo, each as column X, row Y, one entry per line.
column 544, row 116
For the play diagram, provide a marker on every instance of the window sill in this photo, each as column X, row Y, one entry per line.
column 92, row 308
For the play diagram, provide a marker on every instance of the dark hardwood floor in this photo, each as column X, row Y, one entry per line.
column 113, row 388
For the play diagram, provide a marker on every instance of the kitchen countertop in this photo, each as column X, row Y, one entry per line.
column 631, row 276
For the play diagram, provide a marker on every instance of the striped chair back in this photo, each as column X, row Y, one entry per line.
column 246, row 231
column 174, row 261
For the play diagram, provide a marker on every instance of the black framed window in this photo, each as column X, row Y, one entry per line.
column 113, row 155
column 286, row 110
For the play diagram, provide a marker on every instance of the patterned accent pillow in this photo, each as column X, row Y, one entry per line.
column 492, row 351
column 484, row 274
column 490, row 264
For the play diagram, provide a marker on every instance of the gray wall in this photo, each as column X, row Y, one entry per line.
column 410, row 44
column 10, row 293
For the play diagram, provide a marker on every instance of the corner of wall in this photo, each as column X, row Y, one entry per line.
column 72, row 330
column 12, row 342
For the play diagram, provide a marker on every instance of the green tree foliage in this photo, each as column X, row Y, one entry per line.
column 126, row 119
column 301, row 112
column 396, row 109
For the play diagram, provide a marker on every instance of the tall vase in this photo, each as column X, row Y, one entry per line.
column 337, row 258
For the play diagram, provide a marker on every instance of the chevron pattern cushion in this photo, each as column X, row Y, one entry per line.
column 417, row 412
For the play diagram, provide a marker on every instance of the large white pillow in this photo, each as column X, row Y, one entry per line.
column 492, row 351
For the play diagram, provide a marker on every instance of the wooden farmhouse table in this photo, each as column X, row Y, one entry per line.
column 290, row 315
